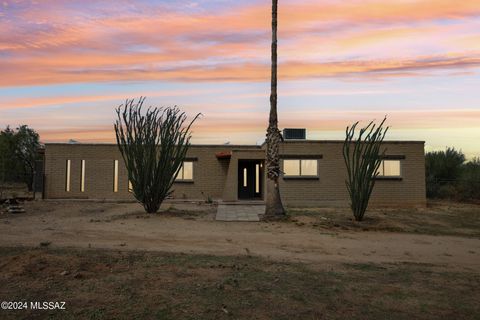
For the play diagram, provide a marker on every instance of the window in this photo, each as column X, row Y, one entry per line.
column 300, row 168
column 186, row 171
column 257, row 178
column 130, row 186
column 308, row 167
column 82, row 176
column 291, row 167
column 389, row 168
column 115, row 176
column 67, row 175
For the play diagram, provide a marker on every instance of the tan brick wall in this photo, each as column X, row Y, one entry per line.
column 209, row 173
column 330, row 189
column 217, row 178
column 99, row 166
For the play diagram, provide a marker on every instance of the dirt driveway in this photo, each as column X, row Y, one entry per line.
column 126, row 227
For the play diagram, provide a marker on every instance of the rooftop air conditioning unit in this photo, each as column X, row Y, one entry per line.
column 294, row 134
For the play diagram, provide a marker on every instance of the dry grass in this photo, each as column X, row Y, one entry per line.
column 127, row 285
column 439, row 218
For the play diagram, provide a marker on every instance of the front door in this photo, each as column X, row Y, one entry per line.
column 250, row 173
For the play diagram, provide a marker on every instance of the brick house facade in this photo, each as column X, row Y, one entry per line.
column 314, row 173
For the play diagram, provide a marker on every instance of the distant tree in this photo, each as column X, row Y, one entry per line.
column 469, row 183
column 273, row 204
column 19, row 151
column 153, row 145
column 445, row 165
column 9, row 169
column 362, row 164
column 27, row 144
column 442, row 168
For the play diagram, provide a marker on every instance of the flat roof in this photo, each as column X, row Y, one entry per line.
column 242, row 145
column 114, row 144
column 342, row 141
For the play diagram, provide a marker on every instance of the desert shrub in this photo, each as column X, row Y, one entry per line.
column 153, row 144
column 469, row 184
column 447, row 191
column 442, row 167
column 448, row 176
column 362, row 155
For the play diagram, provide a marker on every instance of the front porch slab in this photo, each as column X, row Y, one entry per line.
column 239, row 212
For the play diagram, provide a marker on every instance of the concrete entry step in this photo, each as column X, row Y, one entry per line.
column 239, row 212
column 243, row 203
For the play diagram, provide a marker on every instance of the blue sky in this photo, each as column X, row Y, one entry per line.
column 66, row 65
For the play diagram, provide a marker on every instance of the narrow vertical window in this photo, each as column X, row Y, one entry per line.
column 130, row 186
column 82, row 176
column 67, row 176
column 257, row 178
column 187, row 170
column 244, row 177
column 115, row 176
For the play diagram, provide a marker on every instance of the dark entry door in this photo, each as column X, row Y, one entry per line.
column 250, row 173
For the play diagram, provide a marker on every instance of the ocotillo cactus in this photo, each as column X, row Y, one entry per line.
column 153, row 146
column 362, row 163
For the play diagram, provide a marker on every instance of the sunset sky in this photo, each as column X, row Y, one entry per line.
column 66, row 65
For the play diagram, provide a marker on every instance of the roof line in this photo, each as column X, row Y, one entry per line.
column 239, row 145
column 114, row 144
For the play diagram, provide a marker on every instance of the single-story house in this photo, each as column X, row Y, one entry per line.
column 313, row 173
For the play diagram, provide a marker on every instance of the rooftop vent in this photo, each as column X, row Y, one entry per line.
column 294, row 134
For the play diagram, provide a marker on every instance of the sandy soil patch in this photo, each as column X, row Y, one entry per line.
column 191, row 229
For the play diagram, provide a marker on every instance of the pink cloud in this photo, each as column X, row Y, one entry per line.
column 47, row 44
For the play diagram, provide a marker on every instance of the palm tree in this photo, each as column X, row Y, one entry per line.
column 274, row 207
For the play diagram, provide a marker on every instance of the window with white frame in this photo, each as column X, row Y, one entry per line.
column 390, row 168
column 300, row 167
column 185, row 173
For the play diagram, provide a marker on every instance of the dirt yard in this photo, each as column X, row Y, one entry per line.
column 106, row 284
column 111, row 260
column 310, row 236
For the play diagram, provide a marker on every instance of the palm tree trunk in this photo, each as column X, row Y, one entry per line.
column 274, row 206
